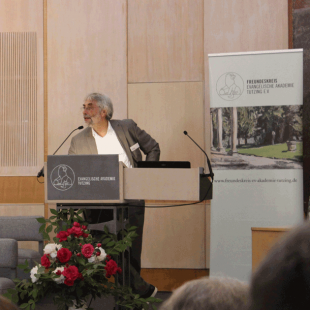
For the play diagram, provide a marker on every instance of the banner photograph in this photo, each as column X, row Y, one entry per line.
column 256, row 148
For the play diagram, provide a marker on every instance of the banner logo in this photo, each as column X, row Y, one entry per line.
column 230, row 86
column 62, row 177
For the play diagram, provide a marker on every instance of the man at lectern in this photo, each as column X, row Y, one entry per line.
column 123, row 137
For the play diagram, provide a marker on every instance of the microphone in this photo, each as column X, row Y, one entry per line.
column 208, row 161
column 41, row 172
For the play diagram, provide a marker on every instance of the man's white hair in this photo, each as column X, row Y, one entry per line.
column 103, row 102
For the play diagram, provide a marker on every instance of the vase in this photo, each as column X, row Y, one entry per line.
column 74, row 307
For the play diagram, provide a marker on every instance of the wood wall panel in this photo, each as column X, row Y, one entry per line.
column 242, row 26
column 21, row 190
column 173, row 237
column 21, row 79
column 165, row 110
column 18, row 79
column 86, row 52
column 165, row 40
column 21, row 16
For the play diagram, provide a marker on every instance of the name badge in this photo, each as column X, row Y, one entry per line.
column 134, row 147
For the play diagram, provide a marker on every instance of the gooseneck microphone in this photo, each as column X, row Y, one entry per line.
column 211, row 174
column 41, row 172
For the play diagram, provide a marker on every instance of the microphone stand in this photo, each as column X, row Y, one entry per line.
column 211, row 174
column 41, row 172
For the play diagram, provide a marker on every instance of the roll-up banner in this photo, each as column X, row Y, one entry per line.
column 256, row 147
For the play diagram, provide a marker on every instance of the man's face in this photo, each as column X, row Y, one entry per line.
column 92, row 114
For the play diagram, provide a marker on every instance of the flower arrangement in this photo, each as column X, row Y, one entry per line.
column 76, row 267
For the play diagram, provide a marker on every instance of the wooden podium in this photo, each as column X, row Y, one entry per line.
column 97, row 179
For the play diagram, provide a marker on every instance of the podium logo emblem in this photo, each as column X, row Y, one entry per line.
column 62, row 177
column 230, row 86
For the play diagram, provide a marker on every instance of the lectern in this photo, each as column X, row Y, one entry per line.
column 93, row 179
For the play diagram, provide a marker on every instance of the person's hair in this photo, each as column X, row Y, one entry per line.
column 214, row 293
column 103, row 102
column 282, row 281
column 5, row 304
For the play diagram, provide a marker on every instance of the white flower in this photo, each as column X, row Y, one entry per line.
column 34, row 271
column 52, row 248
column 97, row 259
column 102, row 255
column 61, row 279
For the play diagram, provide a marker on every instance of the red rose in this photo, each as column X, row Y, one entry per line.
column 62, row 235
column 76, row 224
column 64, row 255
column 71, row 273
column 119, row 270
column 98, row 245
column 69, row 282
column 111, row 268
column 58, row 272
column 85, row 235
column 78, row 254
column 76, row 231
column 84, row 227
column 87, row 250
column 45, row 261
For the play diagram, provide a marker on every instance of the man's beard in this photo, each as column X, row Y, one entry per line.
column 89, row 124
column 93, row 120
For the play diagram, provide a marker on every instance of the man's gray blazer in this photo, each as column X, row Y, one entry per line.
column 128, row 134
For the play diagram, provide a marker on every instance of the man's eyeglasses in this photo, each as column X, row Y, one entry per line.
column 87, row 108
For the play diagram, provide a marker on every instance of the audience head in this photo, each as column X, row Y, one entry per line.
column 5, row 304
column 282, row 281
column 214, row 293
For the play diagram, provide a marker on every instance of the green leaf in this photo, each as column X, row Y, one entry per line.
column 42, row 228
column 15, row 299
column 46, row 236
column 106, row 240
column 41, row 220
column 111, row 243
column 34, row 294
column 23, row 305
column 79, row 218
column 7, row 295
column 113, row 252
column 106, row 229
column 132, row 228
column 11, row 291
column 53, row 211
column 49, row 228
